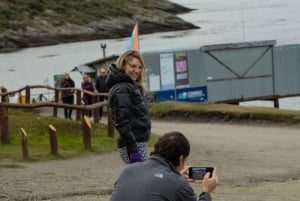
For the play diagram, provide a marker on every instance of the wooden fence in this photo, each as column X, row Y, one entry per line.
column 55, row 104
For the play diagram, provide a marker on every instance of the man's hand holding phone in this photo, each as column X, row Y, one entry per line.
column 185, row 173
column 210, row 182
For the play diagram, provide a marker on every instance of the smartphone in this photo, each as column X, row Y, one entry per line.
column 198, row 173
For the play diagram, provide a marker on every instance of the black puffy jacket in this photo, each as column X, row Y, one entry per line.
column 128, row 108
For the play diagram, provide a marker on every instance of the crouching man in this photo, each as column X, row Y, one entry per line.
column 163, row 176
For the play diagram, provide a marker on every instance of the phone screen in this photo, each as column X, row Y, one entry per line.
column 198, row 173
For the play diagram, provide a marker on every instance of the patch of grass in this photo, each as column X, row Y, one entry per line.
column 10, row 166
column 69, row 133
column 69, row 137
column 223, row 112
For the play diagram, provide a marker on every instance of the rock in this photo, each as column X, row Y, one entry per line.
column 160, row 17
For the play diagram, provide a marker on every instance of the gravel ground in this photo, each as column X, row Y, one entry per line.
column 253, row 163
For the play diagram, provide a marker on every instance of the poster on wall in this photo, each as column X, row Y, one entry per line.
column 154, row 83
column 57, row 79
column 167, row 71
column 181, row 66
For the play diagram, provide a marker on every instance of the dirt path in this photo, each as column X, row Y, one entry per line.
column 253, row 162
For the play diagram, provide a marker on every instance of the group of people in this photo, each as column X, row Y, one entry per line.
column 87, row 85
column 164, row 174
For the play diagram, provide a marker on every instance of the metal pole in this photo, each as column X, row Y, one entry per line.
column 103, row 46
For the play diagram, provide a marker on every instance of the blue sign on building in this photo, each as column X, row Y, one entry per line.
column 193, row 94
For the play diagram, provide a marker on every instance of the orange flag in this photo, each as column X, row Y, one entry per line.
column 133, row 42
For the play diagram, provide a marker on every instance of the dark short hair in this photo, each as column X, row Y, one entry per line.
column 171, row 146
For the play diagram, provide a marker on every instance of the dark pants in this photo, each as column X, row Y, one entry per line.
column 101, row 99
column 68, row 100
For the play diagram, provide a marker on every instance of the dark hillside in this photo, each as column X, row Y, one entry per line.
column 31, row 23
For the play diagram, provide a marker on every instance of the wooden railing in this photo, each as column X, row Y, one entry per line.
column 55, row 104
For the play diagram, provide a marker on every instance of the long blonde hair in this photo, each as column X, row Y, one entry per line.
column 128, row 56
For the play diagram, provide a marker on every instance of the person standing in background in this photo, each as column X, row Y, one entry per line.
column 67, row 95
column 101, row 88
column 88, row 86
column 127, row 106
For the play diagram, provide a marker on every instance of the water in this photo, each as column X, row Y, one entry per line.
column 230, row 22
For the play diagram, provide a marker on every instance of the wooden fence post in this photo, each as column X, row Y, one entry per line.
column 86, row 132
column 24, row 144
column 53, row 139
column 1, row 111
column 56, row 98
column 96, row 111
column 20, row 98
column 110, row 125
column 4, row 125
column 27, row 95
column 78, row 102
